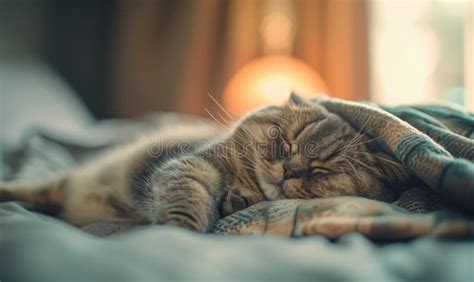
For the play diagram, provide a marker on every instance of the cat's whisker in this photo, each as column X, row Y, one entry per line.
column 247, row 167
column 214, row 118
column 358, row 134
column 361, row 163
column 386, row 160
column 223, row 118
column 242, row 136
column 361, row 179
column 247, row 160
column 354, row 139
column 284, row 121
column 240, row 142
column 364, row 142
column 352, row 167
column 252, row 165
column 231, row 116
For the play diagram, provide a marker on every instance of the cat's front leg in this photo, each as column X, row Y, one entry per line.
column 184, row 193
column 186, row 203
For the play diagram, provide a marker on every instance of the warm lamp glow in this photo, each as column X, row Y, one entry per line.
column 269, row 81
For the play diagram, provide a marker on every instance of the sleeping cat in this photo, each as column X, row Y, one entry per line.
column 192, row 177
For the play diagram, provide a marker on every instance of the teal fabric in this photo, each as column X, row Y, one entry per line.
column 434, row 142
column 34, row 247
column 38, row 248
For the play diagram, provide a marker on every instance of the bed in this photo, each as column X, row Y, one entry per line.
column 37, row 247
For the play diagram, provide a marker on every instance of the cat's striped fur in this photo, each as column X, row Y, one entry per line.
column 198, row 175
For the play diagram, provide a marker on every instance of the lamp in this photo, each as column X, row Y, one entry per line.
column 271, row 78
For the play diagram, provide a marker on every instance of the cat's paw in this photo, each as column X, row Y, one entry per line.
column 234, row 201
column 183, row 220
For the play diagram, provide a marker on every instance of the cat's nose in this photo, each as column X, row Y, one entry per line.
column 287, row 174
column 292, row 169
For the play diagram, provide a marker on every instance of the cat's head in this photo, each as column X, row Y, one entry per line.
column 300, row 150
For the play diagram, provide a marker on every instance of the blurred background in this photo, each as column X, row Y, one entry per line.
column 127, row 58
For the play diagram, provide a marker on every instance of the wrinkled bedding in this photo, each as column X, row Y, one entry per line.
column 38, row 248
column 45, row 153
column 35, row 247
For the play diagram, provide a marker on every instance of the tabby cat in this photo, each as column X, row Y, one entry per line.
column 192, row 177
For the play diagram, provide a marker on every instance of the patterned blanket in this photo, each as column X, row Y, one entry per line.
column 434, row 142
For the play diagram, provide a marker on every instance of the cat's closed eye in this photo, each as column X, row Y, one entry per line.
column 276, row 148
column 320, row 170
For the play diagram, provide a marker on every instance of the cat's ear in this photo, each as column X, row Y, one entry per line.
column 296, row 100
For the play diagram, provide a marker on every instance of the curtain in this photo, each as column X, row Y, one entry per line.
column 168, row 55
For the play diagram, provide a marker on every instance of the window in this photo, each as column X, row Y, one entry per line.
column 419, row 51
